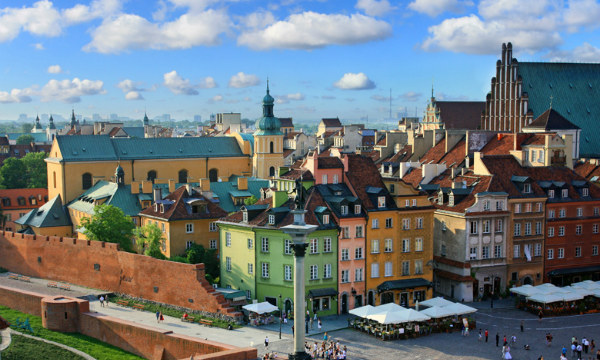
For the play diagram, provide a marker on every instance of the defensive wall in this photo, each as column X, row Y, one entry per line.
column 102, row 265
column 67, row 314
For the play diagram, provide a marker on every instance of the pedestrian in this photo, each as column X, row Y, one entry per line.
column 157, row 316
column 497, row 339
column 579, row 350
column 592, row 346
column 480, row 336
column 101, row 300
column 564, row 351
column 507, row 355
column 267, row 341
column 504, row 342
column 586, row 345
column 161, row 317
column 486, row 335
column 540, row 315
column 106, row 299
column 319, row 324
column 325, row 336
column 573, row 350
column 522, row 325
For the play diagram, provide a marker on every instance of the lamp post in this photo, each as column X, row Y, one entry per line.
column 298, row 231
column 280, row 312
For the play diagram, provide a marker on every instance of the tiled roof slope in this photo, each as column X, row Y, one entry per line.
column 552, row 120
column 363, row 174
column 331, row 122
column 50, row 214
column 40, row 194
column 115, row 195
column 331, row 162
column 180, row 210
column 461, row 114
column 575, row 89
column 477, row 183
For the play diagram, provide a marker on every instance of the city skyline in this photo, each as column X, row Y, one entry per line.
column 323, row 59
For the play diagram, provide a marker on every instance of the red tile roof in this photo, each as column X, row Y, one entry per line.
column 461, row 114
column 434, row 154
column 362, row 173
column 330, row 162
column 535, row 139
column 286, row 122
column 585, row 168
column 413, row 177
column 438, row 155
column 294, row 174
column 180, row 210
column 331, row 122
column 40, row 195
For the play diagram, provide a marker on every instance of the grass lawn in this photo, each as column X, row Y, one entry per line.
column 22, row 348
column 88, row 345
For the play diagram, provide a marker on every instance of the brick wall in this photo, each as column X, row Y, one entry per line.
column 102, row 266
column 24, row 301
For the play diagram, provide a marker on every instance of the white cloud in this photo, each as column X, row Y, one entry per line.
column 54, row 69
column 241, row 80
column 583, row 53
column 38, row 46
column 129, row 31
column 410, row 96
column 15, row 96
column 284, row 99
column 582, row 13
column 70, row 91
column 257, row 19
column 132, row 89
column 354, row 81
column 179, row 85
column 310, row 30
column 216, row 98
column 208, row 83
column 97, row 9
column 134, row 95
column 374, row 7
column 434, row 8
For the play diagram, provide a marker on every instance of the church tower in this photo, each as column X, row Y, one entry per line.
column 37, row 127
column 51, row 130
column 268, row 141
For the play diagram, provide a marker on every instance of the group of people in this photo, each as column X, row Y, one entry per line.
column 581, row 350
column 103, row 300
column 328, row 350
column 159, row 316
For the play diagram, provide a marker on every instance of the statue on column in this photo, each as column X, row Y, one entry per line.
column 300, row 199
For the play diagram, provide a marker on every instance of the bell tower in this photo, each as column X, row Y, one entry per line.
column 268, row 141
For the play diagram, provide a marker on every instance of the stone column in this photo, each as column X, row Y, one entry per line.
column 299, row 336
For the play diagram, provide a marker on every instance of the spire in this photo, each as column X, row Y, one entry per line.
column 37, row 125
column 73, row 121
column 51, row 123
column 267, row 85
column 146, row 120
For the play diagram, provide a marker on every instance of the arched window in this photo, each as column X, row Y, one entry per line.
column 86, row 181
column 183, row 176
column 151, row 175
column 271, row 146
column 213, row 175
column 272, row 171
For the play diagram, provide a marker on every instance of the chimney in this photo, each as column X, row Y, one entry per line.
column 146, row 187
column 514, row 141
column 135, row 187
column 157, row 192
column 205, row 184
column 171, row 185
column 188, row 188
column 242, row 183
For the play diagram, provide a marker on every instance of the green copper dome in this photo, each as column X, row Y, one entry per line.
column 268, row 124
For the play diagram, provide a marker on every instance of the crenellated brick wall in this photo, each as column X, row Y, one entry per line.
column 103, row 266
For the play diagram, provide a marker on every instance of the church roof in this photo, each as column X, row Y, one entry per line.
column 104, row 148
column 461, row 114
column 574, row 88
column 552, row 120
column 115, row 195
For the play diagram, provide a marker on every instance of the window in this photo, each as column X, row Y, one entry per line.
column 357, row 209
column 359, row 231
column 374, row 270
column 486, row 205
column 358, row 253
column 345, row 254
column 287, row 247
column 486, row 226
column 162, row 226
column 585, row 192
column 565, row 193
column 265, row 270
column 579, row 212
column 358, row 274
column 271, row 219
column 189, row 228
column 228, row 263
column 406, row 203
column 517, row 208
column 327, row 245
column 497, row 251
column 389, row 224
column 538, row 207
column 314, row 246
column 405, row 268
column 388, row 269
column 418, row 267
column 414, row 202
column 381, row 202
column 596, row 211
column 250, row 243
column 228, row 239
column 314, row 272
column 594, row 250
column 419, row 244
column 485, row 252
column 527, row 229
column 212, row 227
column 324, row 179
column 550, row 254
column 335, row 178
column 345, row 276
column 551, row 194
column 551, row 214
column 86, row 181
column 250, row 268
column 419, row 223
column 533, row 153
column 344, row 209
column 325, row 219
column 265, row 244
column 561, row 253
column 499, row 226
column 248, row 294
column 578, row 230
column 561, row 231
column 473, row 227
column 345, row 232
column 375, row 246
column 183, row 176
column 528, row 207
column 526, row 188
column 538, row 228
column 327, row 271
column 516, row 251
column 595, row 228
column 537, row 250
column 287, row 272
column 375, row 224
column 188, row 244
column 388, row 245
column 577, row 251
column 550, row 232
column 473, row 253
column 405, row 245
column 212, row 244
column 517, row 231
column 498, row 205
column 443, row 249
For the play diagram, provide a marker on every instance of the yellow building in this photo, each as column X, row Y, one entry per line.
column 185, row 218
column 268, row 142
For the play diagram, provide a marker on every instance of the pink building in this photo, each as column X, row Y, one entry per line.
column 325, row 169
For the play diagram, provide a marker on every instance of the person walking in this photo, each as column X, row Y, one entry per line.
column 267, row 341
column 497, row 339
column 592, row 346
column 162, row 318
column 157, row 316
column 579, row 350
column 486, row 335
column 522, row 325
column 106, row 300
column 540, row 315
column 480, row 336
column 101, row 300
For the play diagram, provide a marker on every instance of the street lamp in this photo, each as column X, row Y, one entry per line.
column 280, row 311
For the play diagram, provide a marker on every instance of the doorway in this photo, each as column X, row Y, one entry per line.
column 387, row 297
column 371, row 298
column 358, row 301
column 344, row 303
column 404, row 299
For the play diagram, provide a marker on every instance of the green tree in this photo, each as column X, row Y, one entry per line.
column 37, row 174
column 12, row 174
column 26, row 127
column 150, row 237
column 109, row 224
column 198, row 254
column 25, row 139
column 251, row 200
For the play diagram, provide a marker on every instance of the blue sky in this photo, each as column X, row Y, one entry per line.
column 323, row 58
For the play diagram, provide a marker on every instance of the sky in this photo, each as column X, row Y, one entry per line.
column 338, row 58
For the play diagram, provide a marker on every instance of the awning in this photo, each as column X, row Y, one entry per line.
column 315, row 293
column 403, row 284
column 569, row 271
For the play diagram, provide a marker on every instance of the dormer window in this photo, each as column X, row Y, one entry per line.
column 526, row 188
column 244, row 216
column 440, row 198
column 551, row 194
column 162, row 208
column 381, row 202
column 325, row 219
column 155, row 207
column 565, row 193
column 451, row 200
column 271, row 219
column 357, row 209
column 344, row 209
column 585, row 192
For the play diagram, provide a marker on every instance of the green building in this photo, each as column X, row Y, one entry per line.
column 256, row 255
